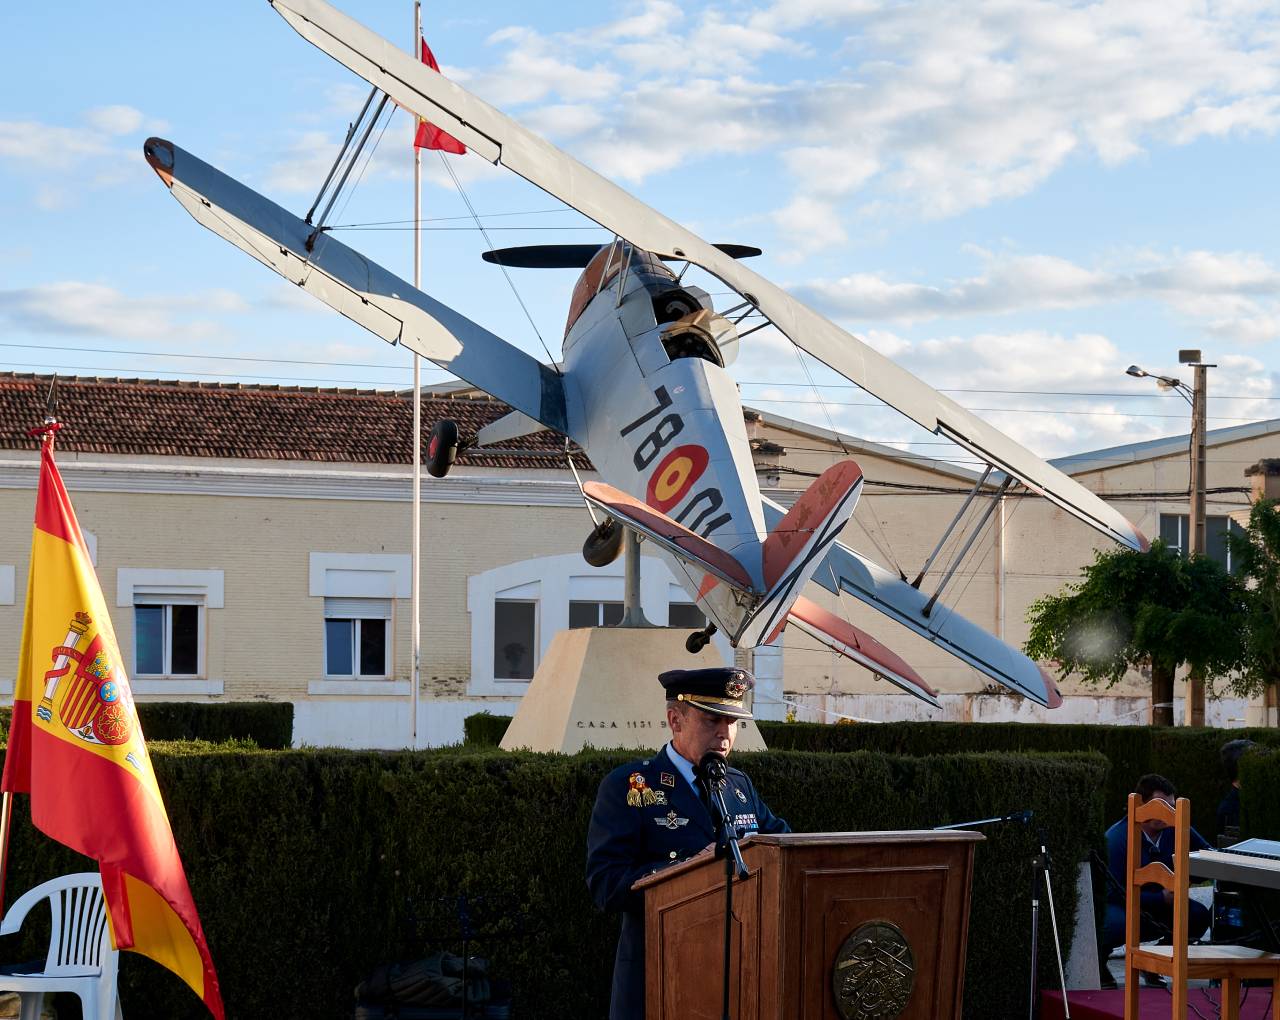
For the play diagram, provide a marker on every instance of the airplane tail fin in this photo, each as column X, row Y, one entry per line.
column 798, row 544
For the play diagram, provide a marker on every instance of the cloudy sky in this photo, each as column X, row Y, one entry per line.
column 1015, row 199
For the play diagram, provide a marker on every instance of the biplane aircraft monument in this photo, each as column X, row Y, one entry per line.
column 642, row 385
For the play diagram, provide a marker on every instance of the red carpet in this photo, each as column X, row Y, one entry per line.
column 1153, row 1004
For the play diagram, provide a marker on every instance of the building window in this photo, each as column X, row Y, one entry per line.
column 1174, row 529
column 515, row 638
column 167, row 637
column 356, row 637
column 594, row 614
column 685, row 615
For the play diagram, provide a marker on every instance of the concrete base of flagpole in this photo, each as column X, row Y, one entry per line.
column 598, row 687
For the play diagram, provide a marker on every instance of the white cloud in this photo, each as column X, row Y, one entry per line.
column 928, row 108
column 46, row 146
column 115, row 120
column 1236, row 296
column 73, row 307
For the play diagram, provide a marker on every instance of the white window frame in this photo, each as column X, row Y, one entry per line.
column 350, row 611
column 161, row 586
column 380, row 576
column 1184, row 527
column 527, row 598
column 553, row 582
column 599, row 604
column 165, row 603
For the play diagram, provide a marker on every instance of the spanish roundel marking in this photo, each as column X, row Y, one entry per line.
column 674, row 475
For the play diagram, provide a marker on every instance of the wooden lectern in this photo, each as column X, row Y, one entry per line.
column 827, row 926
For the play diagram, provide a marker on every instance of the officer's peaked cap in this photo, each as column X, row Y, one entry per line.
column 719, row 691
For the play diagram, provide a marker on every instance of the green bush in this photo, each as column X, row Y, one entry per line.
column 309, row 867
column 485, row 730
column 1189, row 757
column 1259, row 805
column 269, row 724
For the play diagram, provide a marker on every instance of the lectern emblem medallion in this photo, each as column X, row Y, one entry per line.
column 874, row 973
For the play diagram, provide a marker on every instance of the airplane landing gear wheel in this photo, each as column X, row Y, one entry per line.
column 699, row 639
column 442, row 450
column 604, row 544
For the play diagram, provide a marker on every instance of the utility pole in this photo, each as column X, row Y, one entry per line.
column 1196, row 532
column 1196, row 543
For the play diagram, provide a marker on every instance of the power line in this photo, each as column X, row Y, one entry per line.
column 1030, row 393
column 213, row 357
column 292, row 379
column 1010, row 410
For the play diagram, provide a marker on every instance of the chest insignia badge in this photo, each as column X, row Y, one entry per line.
column 667, row 779
column 672, row 821
column 638, row 792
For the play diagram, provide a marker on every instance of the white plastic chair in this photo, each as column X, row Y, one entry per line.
column 80, row 957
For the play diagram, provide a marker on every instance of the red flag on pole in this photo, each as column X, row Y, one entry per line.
column 429, row 136
column 75, row 745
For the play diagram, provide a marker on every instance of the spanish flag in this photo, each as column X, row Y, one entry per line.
column 75, row 745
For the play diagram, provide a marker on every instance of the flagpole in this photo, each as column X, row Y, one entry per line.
column 416, row 601
column 6, row 816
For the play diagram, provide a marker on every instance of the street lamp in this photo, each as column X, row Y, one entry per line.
column 1195, row 396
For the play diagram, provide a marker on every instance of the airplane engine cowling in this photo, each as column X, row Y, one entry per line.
column 702, row 334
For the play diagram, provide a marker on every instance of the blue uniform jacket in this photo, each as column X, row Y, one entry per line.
column 1152, row 896
column 647, row 817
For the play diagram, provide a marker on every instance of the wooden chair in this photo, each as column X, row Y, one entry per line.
column 1180, row 962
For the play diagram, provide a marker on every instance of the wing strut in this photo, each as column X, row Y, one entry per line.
column 977, row 487
column 973, row 535
column 351, row 162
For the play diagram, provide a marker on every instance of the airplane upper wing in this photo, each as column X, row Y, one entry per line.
column 499, row 139
column 360, row 289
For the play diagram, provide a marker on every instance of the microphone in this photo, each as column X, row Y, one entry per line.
column 713, row 770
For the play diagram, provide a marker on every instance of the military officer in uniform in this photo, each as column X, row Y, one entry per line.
column 650, row 814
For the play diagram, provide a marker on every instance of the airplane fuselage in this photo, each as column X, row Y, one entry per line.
column 662, row 419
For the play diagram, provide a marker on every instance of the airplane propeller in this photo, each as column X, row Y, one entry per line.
column 576, row 256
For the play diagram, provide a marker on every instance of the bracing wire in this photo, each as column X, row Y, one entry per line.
column 887, row 550
column 510, row 282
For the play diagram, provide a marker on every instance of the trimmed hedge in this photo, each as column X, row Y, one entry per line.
column 1189, row 757
column 309, row 867
column 1259, row 805
column 485, row 730
column 269, row 724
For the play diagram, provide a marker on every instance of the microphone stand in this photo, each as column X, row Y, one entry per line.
column 714, row 775
column 1039, row 868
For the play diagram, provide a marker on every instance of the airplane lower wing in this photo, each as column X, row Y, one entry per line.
column 846, row 571
column 856, row 644
column 361, row 290
column 499, row 139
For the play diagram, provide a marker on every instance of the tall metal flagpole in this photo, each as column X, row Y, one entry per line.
column 416, row 502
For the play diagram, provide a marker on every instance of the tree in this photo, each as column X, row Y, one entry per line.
column 1256, row 553
column 1133, row 609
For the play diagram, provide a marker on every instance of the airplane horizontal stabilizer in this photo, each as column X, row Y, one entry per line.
column 500, row 139
column 796, row 545
column 844, row 570
column 360, row 289
column 673, row 537
column 861, row 647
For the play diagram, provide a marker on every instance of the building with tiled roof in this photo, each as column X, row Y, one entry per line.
column 254, row 542
column 236, row 421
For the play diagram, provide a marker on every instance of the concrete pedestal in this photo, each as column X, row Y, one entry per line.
column 598, row 687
